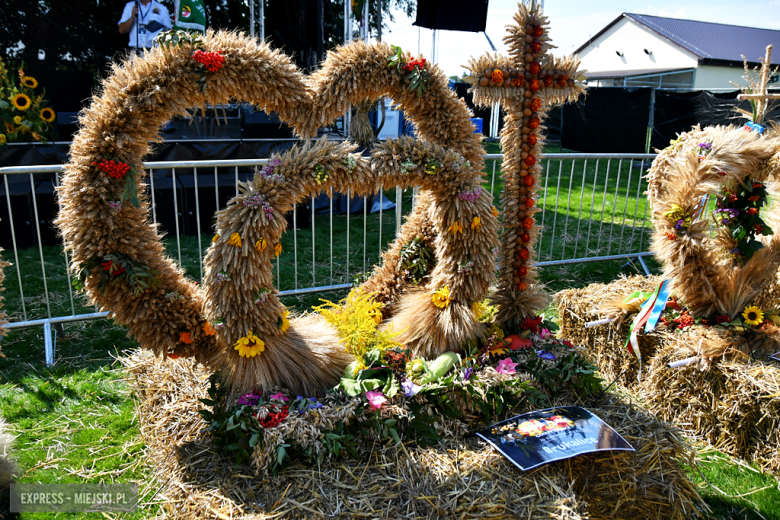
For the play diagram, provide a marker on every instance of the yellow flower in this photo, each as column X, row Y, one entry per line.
column 48, row 115
column 494, row 210
column 3, row 139
column 376, row 314
column 21, row 101
column 214, row 240
column 441, row 297
column 249, row 346
column 476, row 223
column 18, row 120
column 284, row 323
column 9, row 128
column 36, row 136
column 478, row 308
column 278, row 249
column 753, row 316
column 261, row 244
column 235, row 240
column 456, row 227
column 29, row 82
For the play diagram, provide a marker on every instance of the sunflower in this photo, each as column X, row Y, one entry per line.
column 456, row 227
column 753, row 316
column 21, row 101
column 284, row 323
column 235, row 240
column 29, row 82
column 18, row 120
column 9, row 128
column 278, row 249
column 249, row 346
column 476, row 223
column 261, row 244
column 48, row 115
column 441, row 297
column 3, row 139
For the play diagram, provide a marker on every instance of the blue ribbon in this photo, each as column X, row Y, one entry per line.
column 750, row 125
column 660, row 304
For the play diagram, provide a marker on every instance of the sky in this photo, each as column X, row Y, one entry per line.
column 572, row 23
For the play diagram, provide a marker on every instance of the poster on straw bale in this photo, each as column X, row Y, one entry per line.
column 543, row 436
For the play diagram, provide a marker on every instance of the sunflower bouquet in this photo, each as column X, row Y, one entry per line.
column 23, row 114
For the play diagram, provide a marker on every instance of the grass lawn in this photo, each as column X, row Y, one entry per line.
column 74, row 421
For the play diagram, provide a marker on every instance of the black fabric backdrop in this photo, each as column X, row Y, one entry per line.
column 607, row 120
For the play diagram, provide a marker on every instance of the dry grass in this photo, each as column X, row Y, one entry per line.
column 460, row 477
column 731, row 401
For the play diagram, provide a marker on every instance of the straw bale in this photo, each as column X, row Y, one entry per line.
column 729, row 398
column 604, row 344
column 460, row 477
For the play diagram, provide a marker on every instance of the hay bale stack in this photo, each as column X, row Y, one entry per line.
column 605, row 343
column 733, row 403
column 460, row 477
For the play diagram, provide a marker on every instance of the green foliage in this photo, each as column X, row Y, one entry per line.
column 416, row 260
column 235, row 430
column 140, row 277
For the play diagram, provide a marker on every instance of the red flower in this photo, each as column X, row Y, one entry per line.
column 525, row 237
column 561, row 81
column 536, row 104
column 752, row 211
column 670, row 235
column 522, row 271
column 548, row 79
column 531, row 139
column 497, row 77
column 754, row 198
column 531, row 324
column 529, row 202
column 722, row 318
column 529, row 180
column 534, row 85
column 518, row 82
column 538, row 31
column 211, row 60
column 524, row 253
column 733, row 197
column 759, row 228
column 522, row 286
column 536, row 47
column 530, row 160
column 185, row 337
column 528, row 222
column 535, row 68
column 533, row 123
column 757, row 185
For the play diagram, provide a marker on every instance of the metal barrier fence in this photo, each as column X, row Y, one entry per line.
column 604, row 217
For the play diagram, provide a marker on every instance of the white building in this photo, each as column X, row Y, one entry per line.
column 641, row 50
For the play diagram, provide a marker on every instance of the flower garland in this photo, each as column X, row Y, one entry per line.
column 416, row 75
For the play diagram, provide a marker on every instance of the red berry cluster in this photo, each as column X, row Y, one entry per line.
column 413, row 65
column 531, row 324
column 211, row 60
column 272, row 420
column 118, row 269
column 684, row 320
column 722, row 318
column 113, row 168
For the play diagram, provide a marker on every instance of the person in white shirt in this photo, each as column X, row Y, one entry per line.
column 140, row 14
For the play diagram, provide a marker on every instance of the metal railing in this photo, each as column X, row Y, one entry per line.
column 591, row 211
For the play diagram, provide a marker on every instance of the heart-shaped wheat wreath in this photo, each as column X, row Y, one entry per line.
column 233, row 322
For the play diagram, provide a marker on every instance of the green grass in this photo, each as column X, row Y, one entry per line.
column 74, row 421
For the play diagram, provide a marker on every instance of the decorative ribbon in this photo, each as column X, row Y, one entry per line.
column 750, row 125
column 648, row 316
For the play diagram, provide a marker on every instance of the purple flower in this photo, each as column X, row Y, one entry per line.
column 725, row 221
column 734, row 251
column 467, row 373
column 249, row 399
column 705, row 146
column 280, row 396
column 309, row 403
column 410, row 388
column 545, row 355
column 222, row 277
column 115, row 205
column 469, row 195
column 680, row 224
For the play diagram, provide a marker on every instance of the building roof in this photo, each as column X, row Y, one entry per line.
column 709, row 41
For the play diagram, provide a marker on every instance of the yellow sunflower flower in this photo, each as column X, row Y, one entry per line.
column 753, row 316
column 48, row 115
column 456, row 227
column 284, row 323
column 476, row 223
column 18, row 120
column 278, row 249
column 235, row 240
column 249, row 346
column 3, row 139
column 441, row 297
column 29, row 82
column 9, row 128
column 261, row 244
column 21, row 101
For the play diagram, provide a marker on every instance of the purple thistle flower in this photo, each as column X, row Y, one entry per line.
column 249, row 399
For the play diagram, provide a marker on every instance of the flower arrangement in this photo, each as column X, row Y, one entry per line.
column 738, row 213
column 320, row 175
column 432, row 167
column 416, row 75
column 678, row 318
column 24, row 114
column 258, row 200
column 117, row 268
column 470, row 195
column 269, row 171
column 249, row 346
column 407, row 166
